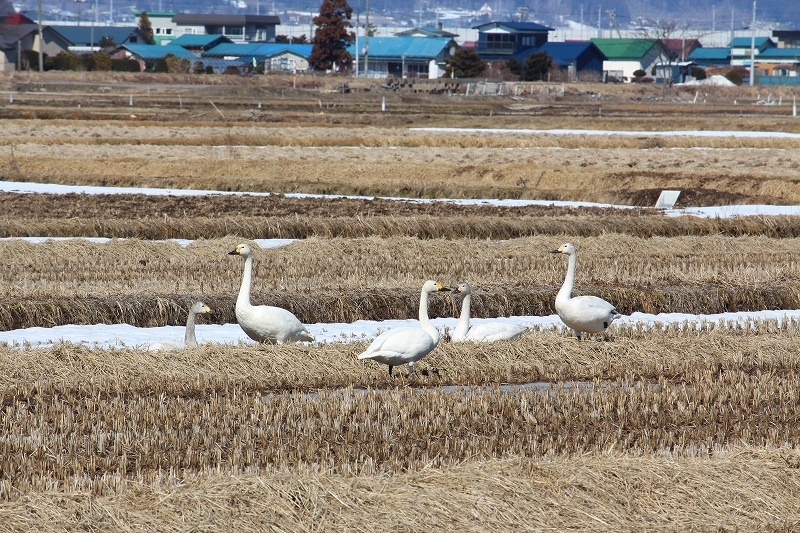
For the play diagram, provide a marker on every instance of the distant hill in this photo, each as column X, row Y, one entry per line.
column 699, row 14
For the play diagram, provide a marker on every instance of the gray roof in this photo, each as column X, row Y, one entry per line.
column 11, row 33
column 220, row 20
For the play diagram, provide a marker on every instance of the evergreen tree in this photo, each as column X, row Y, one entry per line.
column 331, row 38
column 465, row 63
column 146, row 27
column 537, row 66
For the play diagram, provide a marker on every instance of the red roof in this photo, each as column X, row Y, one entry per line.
column 18, row 18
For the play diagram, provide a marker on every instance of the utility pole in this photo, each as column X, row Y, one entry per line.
column 94, row 16
column 366, row 42
column 753, row 44
column 713, row 19
column 599, row 28
column 41, row 53
column 79, row 2
column 358, row 12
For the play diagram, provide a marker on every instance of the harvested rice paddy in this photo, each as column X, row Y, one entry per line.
column 674, row 428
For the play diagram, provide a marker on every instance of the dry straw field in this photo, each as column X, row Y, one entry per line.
column 680, row 429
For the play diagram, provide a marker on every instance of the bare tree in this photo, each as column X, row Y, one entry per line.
column 673, row 39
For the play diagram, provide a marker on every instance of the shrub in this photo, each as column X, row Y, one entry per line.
column 125, row 65
column 177, row 65
column 734, row 77
column 161, row 64
column 639, row 74
column 232, row 71
column 209, row 69
column 66, row 61
column 30, row 60
column 698, row 73
column 102, row 61
column 198, row 68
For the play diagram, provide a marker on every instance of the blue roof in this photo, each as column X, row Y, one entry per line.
column 781, row 53
column 187, row 39
column 82, row 35
column 564, row 52
column 519, row 26
column 154, row 51
column 703, row 53
column 259, row 50
column 744, row 42
column 413, row 47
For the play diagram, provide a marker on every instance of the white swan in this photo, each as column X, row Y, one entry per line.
column 584, row 314
column 486, row 332
column 407, row 345
column 264, row 323
column 189, row 340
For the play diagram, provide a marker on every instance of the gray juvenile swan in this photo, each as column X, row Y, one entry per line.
column 264, row 323
column 486, row 332
column 584, row 314
column 189, row 339
column 407, row 345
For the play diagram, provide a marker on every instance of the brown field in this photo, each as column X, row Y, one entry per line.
column 671, row 429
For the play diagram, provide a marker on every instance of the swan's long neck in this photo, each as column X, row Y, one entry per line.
column 424, row 321
column 463, row 321
column 566, row 289
column 189, row 339
column 244, row 291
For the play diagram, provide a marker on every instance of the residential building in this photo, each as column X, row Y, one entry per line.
column 741, row 48
column 164, row 29
column 413, row 57
column 503, row 40
column 86, row 38
column 197, row 44
column 680, row 49
column 427, row 32
column 18, row 38
column 626, row 56
column 148, row 54
column 787, row 38
column 576, row 58
column 274, row 56
column 238, row 28
column 711, row 57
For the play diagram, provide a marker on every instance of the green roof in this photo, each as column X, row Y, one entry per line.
column 624, row 49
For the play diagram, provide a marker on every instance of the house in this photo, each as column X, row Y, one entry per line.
column 86, row 38
column 148, row 54
column 426, row 32
column 626, row 56
column 680, row 49
column 503, row 40
column 18, row 38
column 197, row 44
column 407, row 56
column 787, row 38
column 711, row 57
column 740, row 49
column 779, row 61
column 164, row 29
column 274, row 56
column 238, row 28
column 579, row 57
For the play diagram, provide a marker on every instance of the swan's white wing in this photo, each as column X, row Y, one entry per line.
column 495, row 331
column 399, row 346
column 594, row 306
column 268, row 323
